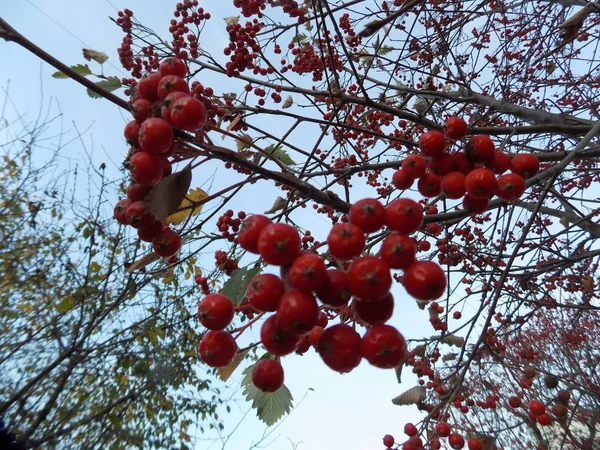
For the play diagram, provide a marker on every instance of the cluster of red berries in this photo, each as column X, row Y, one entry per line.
column 243, row 47
column 224, row 263
column 298, row 320
column 228, row 226
column 160, row 103
column 442, row 429
column 187, row 13
column 469, row 174
column 250, row 7
column 203, row 283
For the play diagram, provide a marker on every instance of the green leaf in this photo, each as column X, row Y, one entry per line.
column 235, row 288
column 65, row 305
column 280, row 154
column 225, row 372
column 80, row 69
column 110, row 84
column 385, row 50
column 299, row 38
column 270, row 406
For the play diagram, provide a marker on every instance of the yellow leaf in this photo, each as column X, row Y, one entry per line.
column 193, row 196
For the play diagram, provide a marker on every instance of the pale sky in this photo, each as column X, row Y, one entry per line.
column 351, row 412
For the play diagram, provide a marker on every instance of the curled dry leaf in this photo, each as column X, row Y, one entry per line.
column 185, row 208
column 411, row 397
column 289, row 101
column 167, row 195
column 450, row 339
column 224, row 373
column 243, row 141
column 278, row 205
column 449, row 357
column 398, row 368
column 419, row 350
column 142, row 262
column 95, row 55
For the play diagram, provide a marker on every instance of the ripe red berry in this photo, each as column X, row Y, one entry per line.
column 388, row 440
column 525, row 164
column 147, row 234
column 279, row 244
column 475, row 205
column 414, row 166
column 265, row 291
column 480, row 148
column 480, row 183
column 383, row 346
column 137, row 192
column 374, row 313
column 456, row 441
column 429, row 185
column 544, row 419
column 131, row 132
column 168, row 102
column 510, row 187
column 137, row 217
column 425, row 280
column 443, row 429
column 171, row 83
column 410, row 430
column 404, row 215
column 346, row 241
column 334, row 292
column 217, row 348
column 166, row 243
column 250, row 231
column 453, row 185
column 297, row 312
column 432, row 144
column 369, row 278
column 275, row 340
column 401, row 180
column 267, row 375
column 456, row 127
column 172, row 66
column 215, row 311
column 398, row 250
column 536, row 407
column 339, row 347
column 514, row 402
column 308, row 272
column 475, row 444
column 120, row 211
column 368, row 214
column 188, row 114
column 148, row 86
column 443, row 165
column 462, row 163
column 155, row 136
column 501, row 162
column 146, row 169
column 140, row 109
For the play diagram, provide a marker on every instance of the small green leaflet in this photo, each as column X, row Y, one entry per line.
column 280, row 154
column 299, row 38
column 385, row 50
column 110, row 84
column 270, row 406
column 81, row 69
column 235, row 288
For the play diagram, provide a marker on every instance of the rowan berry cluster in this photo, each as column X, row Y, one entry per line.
column 161, row 102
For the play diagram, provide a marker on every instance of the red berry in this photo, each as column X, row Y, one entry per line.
column 410, row 430
column 401, row 180
column 147, row 234
column 462, row 163
column 171, row 83
column 308, row 272
column 544, row 419
column 346, row 241
column 368, row 214
column 475, row 205
column 146, row 169
column 536, row 407
column 217, row 348
column 480, row 183
column 456, row 127
column 443, row 429
column 279, row 244
column 404, row 215
column 501, row 162
column 398, row 250
column 275, row 340
column 267, row 375
column 414, row 166
column 120, row 211
column 166, row 243
column 335, row 291
column 432, row 144
column 131, row 132
column 425, row 280
column 339, row 347
column 453, row 185
column 383, row 346
column 297, row 312
column 480, row 148
column 140, row 109
column 510, row 187
column 429, row 185
column 374, row 313
column 148, row 86
column 456, row 441
column 369, row 278
column 250, row 231
column 172, row 66
column 514, row 402
column 168, row 102
column 137, row 217
column 443, row 165
column 156, row 136
column 188, row 114
column 264, row 292
column 215, row 311
column 475, row 444
column 388, row 440
column 137, row 192
column 525, row 164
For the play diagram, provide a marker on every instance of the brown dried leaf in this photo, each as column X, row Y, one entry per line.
column 450, row 339
column 95, row 55
column 278, row 205
column 224, row 373
column 419, row 350
column 289, row 101
column 243, row 141
column 165, row 198
column 449, row 357
column 411, row 397
column 143, row 262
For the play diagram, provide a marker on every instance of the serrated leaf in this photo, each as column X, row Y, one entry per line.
column 278, row 205
column 81, row 69
column 95, row 55
column 235, row 288
column 419, row 350
column 270, row 406
column 289, row 101
column 193, row 196
column 278, row 153
column 166, row 197
column 411, row 397
column 385, row 50
column 299, row 38
column 224, row 373
column 110, row 84
column 450, row 339
column 243, row 141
